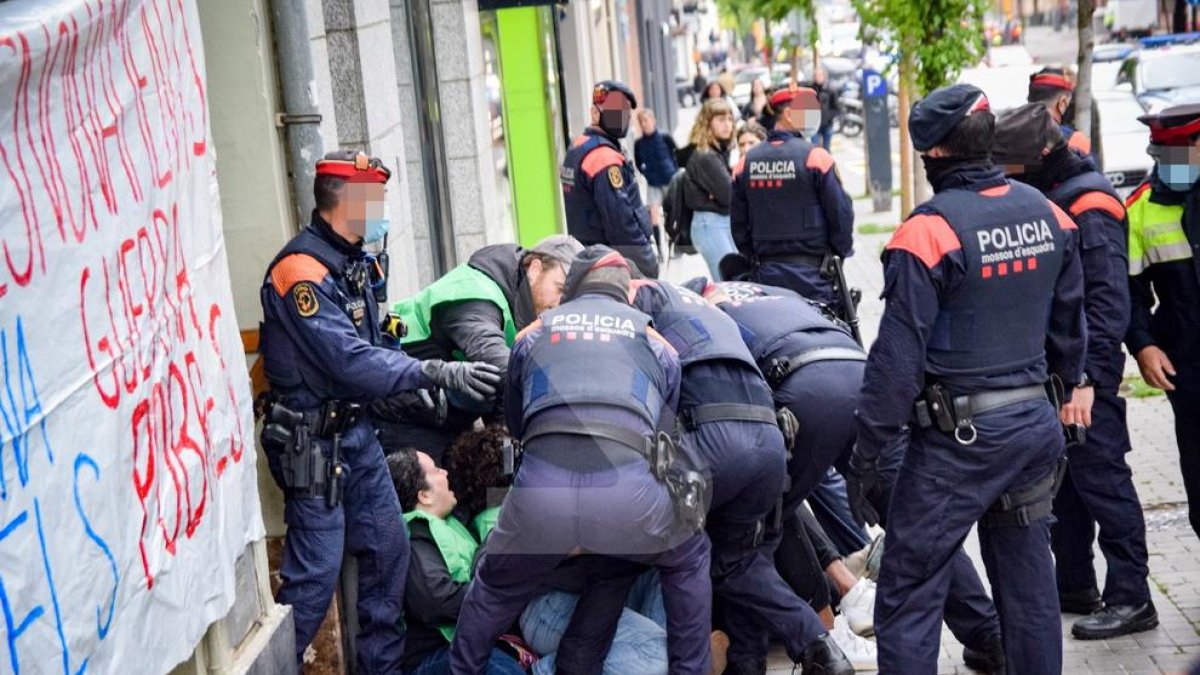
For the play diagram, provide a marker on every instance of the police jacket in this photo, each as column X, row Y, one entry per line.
column 1087, row 196
column 1164, row 236
column 984, row 291
column 777, row 323
column 788, row 200
column 432, row 597
column 593, row 358
column 320, row 337
column 717, row 365
column 602, row 200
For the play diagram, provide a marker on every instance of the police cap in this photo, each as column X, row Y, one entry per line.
column 1051, row 78
column 561, row 247
column 1024, row 135
column 1177, row 125
column 605, row 87
column 935, row 116
column 589, row 259
column 784, row 96
column 354, row 167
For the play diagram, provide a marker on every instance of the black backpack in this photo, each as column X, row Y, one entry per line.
column 677, row 217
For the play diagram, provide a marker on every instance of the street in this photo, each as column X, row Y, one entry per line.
column 1173, row 547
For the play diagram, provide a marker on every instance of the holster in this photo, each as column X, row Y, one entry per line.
column 1020, row 508
column 304, row 469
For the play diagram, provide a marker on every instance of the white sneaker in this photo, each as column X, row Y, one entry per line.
column 858, row 606
column 859, row 651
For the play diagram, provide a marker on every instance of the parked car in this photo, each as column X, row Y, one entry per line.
column 1123, row 140
column 1163, row 77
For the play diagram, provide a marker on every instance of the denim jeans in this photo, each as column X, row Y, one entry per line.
column 498, row 663
column 713, row 239
column 640, row 645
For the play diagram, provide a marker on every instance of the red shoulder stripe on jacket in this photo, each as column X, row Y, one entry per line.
column 927, row 236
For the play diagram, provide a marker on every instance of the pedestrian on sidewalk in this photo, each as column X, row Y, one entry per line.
column 1164, row 276
column 1098, row 485
column 974, row 324
column 654, row 156
column 706, row 190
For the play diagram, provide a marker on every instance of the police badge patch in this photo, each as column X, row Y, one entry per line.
column 306, row 299
column 615, row 178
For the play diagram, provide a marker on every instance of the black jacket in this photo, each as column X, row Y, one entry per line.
column 708, row 185
column 431, row 597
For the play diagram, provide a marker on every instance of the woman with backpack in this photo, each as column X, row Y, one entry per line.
column 707, row 188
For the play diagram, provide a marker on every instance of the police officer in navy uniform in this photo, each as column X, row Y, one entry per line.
column 984, row 293
column 600, row 193
column 1164, row 280
column 729, row 420
column 1098, row 485
column 788, row 210
column 1054, row 88
column 323, row 354
column 590, row 384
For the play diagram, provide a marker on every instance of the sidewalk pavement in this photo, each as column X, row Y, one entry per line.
column 1174, row 548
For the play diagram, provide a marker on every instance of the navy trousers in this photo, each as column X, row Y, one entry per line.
column 366, row 524
column 1098, row 490
column 1187, row 434
column 942, row 490
column 553, row 512
column 748, row 464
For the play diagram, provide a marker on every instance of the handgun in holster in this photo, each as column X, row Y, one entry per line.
column 686, row 486
column 938, row 409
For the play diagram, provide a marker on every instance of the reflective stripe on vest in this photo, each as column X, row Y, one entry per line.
column 1155, row 234
column 1013, row 248
column 461, row 284
column 594, row 351
column 457, row 547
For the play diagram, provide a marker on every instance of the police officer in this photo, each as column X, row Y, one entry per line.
column 600, row 194
column 590, row 384
column 1054, row 88
column 472, row 313
column 1164, row 237
column 322, row 353
column 1098, row 485
column 788, row 209
column 984, row 296
column 729, row 421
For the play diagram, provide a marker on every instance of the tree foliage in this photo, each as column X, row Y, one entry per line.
column 937, row 38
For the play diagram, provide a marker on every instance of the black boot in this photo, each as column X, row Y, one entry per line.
column 823, row 657
column 1083, row 602
column 1115, row 620
column 989, row 659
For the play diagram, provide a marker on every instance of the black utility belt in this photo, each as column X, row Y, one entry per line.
column 778, row 369
column 694, row 416
column 800, row 258
column 956, row 414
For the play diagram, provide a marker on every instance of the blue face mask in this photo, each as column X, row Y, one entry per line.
column 1178, row 177
column 375, row 229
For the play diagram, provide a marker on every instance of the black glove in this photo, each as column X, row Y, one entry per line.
column 789, row 425
column 475, row 379
column 862, row 480
column 425, row 406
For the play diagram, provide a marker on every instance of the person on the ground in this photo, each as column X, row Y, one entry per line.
column 600, row 193
column 1164, row 280
column 830, row 106
column 984, row 303
column 788, row 211
column 758, row 100
column 750, row 133
column 473, row 313
column 1054, row 88
column 439, row 570
column 706, row 190
column 729, row 421
column 1097, row 488
column 654, row 155
column 325, row 357
column 815, row 369
column 589, row 385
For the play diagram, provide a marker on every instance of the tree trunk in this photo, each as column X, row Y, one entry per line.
column 906, row 163
column 1083, row 83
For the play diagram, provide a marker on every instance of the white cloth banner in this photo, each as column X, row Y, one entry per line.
column 127, row 476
